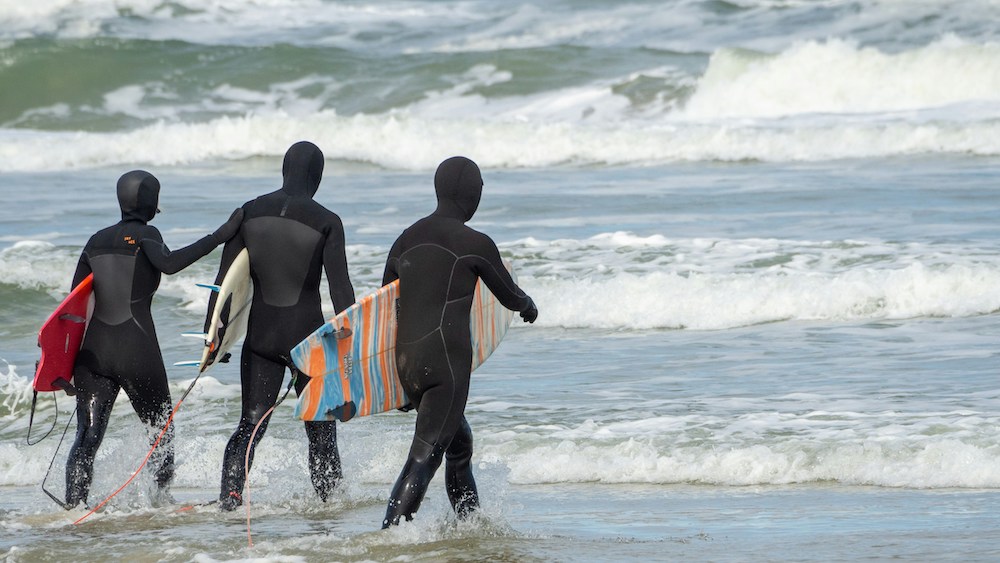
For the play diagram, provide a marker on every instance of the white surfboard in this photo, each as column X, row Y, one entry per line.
column 232, row 309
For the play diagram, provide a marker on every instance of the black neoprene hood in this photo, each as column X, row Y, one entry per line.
column 138, row 195
column 302, row 169
column 459, row 187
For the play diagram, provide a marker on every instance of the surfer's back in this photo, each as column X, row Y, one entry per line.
column 285, row 236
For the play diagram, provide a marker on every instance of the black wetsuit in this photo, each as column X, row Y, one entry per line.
column 120, row 349
column 438, row 261
column 291, row 238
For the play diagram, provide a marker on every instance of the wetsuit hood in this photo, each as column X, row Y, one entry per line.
column 459, row 186
column 302, row 169
column 138, row 195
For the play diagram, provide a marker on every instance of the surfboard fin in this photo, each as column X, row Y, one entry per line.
column 338, row 334
column 65, row 386
column 211, row 286
column 72, row 318
column 201, row 335
column 343, row 413
column 188, row 363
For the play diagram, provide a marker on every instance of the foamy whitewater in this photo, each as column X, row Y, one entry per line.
column 762, row 234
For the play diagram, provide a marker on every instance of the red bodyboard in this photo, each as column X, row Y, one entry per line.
column 60, row 338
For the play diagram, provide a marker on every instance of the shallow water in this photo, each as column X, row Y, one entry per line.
column 553, row 523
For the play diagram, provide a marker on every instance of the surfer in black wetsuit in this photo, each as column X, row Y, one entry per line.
column 438, row 261
column 120, row 349
column 291, row 238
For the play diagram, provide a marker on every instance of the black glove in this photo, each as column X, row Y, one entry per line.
column 229, row 229
column 530, row 313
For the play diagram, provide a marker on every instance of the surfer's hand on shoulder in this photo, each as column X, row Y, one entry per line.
column 229, row 228
column 530, row 313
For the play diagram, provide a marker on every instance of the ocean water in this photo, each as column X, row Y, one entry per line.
column 763, row 236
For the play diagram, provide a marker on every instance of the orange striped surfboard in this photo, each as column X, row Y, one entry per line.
column 351, row 359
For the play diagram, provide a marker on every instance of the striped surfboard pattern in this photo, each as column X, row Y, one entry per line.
column 489, row 321
column 351, row 359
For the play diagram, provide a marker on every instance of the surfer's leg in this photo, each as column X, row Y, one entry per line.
column 95, row 398
column 411, row 485
column 261, row 382
column 150, row 397
column 460, row 483
column 324, row 457
column 440, row 412
column 456, row 432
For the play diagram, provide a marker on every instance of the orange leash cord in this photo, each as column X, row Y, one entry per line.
column 246, row 458
column 246, row 471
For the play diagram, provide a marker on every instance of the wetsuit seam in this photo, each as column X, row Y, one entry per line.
column 434, row 244
column 451, row 395
column 447, row 292
column 451, row 279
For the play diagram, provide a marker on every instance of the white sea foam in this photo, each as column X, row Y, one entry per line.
column 841, row 77
column 716, row 301
column 406, row 142
column 726, row 445
column 941, row 463
column 15, row 392
column 623, row 281
column 713, row 284
column 37, row 265
column 927, row 450
column 215, row 21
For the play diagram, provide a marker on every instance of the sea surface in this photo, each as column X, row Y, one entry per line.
column 763, row 237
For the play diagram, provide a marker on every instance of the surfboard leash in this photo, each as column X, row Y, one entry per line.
column 149, row 454
column 246, row 457
column 31, row 419
column 59, row 501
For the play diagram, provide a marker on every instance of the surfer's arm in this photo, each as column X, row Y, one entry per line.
column 82, row 269
column 335, row 263
column 490, row 268
column 391, row 272
column 230, row 251
column 171, row 262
